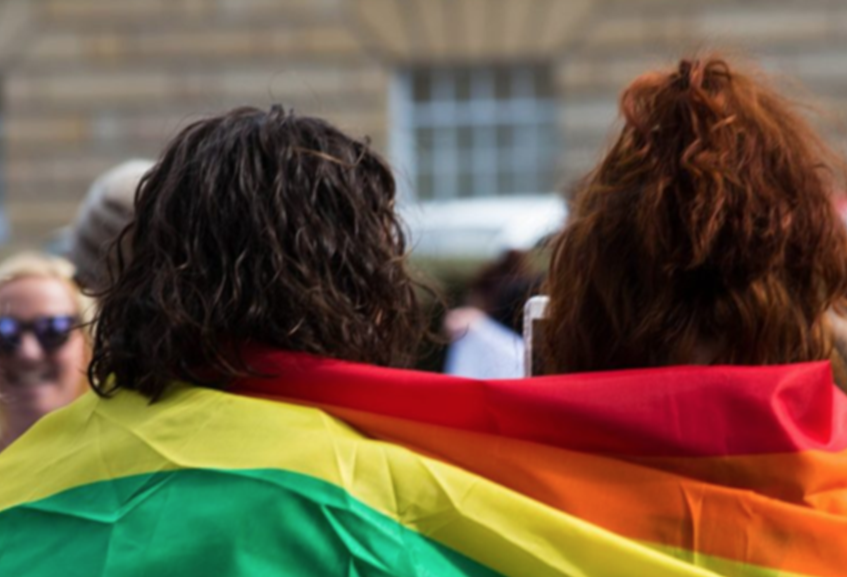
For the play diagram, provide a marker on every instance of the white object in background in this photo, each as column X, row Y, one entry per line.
column 534, row 310
column 482, row 228
column 486, row 350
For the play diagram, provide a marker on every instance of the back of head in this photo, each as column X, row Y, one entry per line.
column 104, row 213
column 257, row 228
column 706, row 234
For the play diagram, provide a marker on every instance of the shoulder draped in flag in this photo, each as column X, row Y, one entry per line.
column 332, row 468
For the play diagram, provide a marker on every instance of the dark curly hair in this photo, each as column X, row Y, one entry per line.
column 262, row 228
column 706, row 234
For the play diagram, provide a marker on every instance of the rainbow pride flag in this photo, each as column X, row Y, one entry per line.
column 331, row 468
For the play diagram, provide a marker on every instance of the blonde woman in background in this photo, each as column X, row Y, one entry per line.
column 43, row 350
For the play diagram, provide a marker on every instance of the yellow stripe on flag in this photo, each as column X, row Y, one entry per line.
column 193, row 428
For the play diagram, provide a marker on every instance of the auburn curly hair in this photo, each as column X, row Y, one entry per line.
column 263, row 228
column 707, row 234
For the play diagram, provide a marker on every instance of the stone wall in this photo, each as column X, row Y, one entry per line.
column 803, row 44
column 99, row 81
column 88, row 83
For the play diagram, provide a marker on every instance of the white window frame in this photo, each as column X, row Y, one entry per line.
column 481, row 115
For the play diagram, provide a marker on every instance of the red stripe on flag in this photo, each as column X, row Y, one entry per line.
column 671, row 411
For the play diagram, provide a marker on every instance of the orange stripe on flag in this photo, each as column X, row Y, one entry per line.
column 720, row 506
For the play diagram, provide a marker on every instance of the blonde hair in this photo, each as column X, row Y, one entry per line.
column 39, row 265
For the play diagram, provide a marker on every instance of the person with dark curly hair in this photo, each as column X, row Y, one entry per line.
column 707, row 234
column 256, row 228
column 255, row 233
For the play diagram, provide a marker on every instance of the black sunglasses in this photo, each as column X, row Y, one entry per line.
column 50, row 332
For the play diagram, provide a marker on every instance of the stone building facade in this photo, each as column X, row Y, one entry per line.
column 85, row 84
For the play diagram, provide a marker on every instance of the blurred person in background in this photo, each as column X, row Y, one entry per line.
column 43, row 350
column 105, row 211
column 485, row 334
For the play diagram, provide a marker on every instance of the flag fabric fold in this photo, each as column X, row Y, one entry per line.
column 332, row 468
column 739, row 470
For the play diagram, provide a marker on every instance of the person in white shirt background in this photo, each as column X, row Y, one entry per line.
column 485, row 333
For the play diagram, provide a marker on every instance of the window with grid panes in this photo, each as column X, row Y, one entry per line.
column 477, row 130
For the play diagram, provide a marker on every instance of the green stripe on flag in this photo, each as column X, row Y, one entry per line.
column 217, row 522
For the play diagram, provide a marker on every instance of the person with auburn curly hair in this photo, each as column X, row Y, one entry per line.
column 706, row 235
